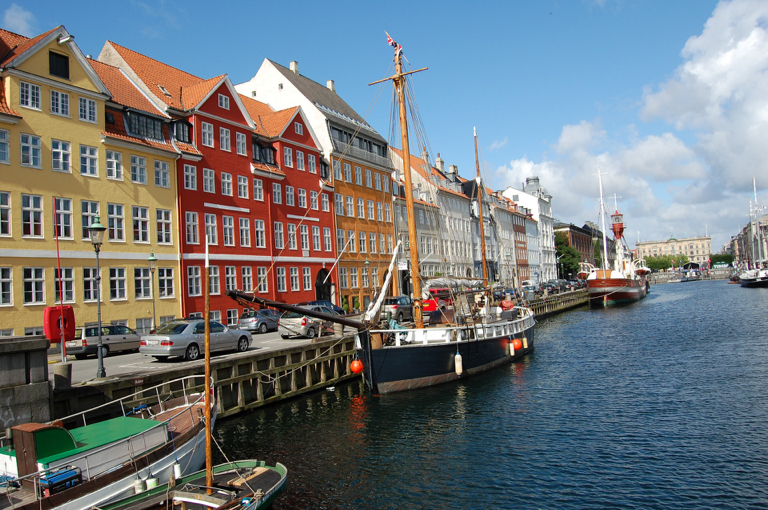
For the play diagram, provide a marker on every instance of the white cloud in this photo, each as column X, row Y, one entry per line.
column 498, row 144
column 17, row 20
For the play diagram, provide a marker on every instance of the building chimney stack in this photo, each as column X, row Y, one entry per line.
column 331, row 86
column 439, row 163
column 295, row 66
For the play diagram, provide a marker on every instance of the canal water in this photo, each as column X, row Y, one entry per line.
column 659, row 404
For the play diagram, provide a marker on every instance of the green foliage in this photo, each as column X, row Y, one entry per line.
column 597, row 253
column 569, row 257
column 356, row 303
column 345, row 304
column 665, row 261
column 722, row 257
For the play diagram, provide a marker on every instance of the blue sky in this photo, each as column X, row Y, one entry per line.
column 668, row 98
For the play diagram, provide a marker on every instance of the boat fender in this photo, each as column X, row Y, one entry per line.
column 510, row 347
column 151, row 483
column 525, row 342
column 458, row 364
column 138, row 486
column 176, row 470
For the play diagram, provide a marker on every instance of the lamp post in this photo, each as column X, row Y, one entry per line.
column 96, row 231
column 152, row 264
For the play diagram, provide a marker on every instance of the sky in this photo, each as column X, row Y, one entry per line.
column 669, row 99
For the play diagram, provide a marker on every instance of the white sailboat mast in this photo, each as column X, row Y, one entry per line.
column 602, row 219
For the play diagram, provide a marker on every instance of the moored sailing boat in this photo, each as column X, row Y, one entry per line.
column 625, row 282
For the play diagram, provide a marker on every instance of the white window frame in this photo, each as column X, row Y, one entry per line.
column 5, row 214
column 263, row 284
column 138, row 169
column 31, row 151
column 241, row 144
column 162, row 174
column 280, row 271
column 306, row 273
column 192, row 227
column 209, row 180
column 211, row 229
column 114, row 165
column 258, row 190
column 223, row 101
column 214, row 282
column 230, row 277
column 259, row 234
column 295, row 286
column 302, row 198
column 87, row 110
column 165, row 283
column 298, row 128
column 6, row 286
column 5, row 146
column 224, row 139
column 245, row 232
column 299, row 160
column 289, row 196
column 61, row 156
column 288, row 157
column 206, row 129
column 118, row 287
column 33, row 283
column 226, row 184
column 228, row 230
column 291, row 236
column 67, row 284
column 279, row 241
column 327, row 239
column 194, row 281
column 247, row 278
column 142, row 283
column 89, row 161
column 326, row 206
column 64, row 223
column 29, row 95
column 242, row 186
column 312, row 163
column 164, row 226
column 190, row 177
column 277, row 195
column 32, row 216
column 140, row 221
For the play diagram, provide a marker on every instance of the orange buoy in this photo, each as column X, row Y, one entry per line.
column 356, row 366
column 517, row 344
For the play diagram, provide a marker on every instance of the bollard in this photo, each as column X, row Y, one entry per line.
column 62, row 376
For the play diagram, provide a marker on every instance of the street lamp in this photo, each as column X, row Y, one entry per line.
column 96, row 231
column 152, row 264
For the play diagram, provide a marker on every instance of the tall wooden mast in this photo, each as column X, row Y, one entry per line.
column 479, row 184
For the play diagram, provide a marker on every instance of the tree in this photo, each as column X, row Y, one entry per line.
column 568, row 256
column 722, row 257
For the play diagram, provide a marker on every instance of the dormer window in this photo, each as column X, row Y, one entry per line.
column 256, row 148
column 223, row 101
column 181, row 131
column 144, row 126
column 58, row 65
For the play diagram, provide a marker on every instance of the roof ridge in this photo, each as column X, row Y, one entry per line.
column 153, row 59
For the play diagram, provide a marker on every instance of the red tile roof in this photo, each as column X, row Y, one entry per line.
column 12, row 45
column 257, row 110
column 4, row 109
column 274, row 123
column 123, row 91
column 117, row 131
column 192, row 95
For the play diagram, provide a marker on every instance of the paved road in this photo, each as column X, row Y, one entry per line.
column 121, row 364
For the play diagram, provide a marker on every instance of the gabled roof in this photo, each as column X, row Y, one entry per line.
column 257, row 110
column 13, row 45
column 193, row 95
column 327, row 101
column 276, row 123
column 123, row 90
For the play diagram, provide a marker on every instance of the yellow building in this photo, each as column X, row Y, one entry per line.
column 60, row 149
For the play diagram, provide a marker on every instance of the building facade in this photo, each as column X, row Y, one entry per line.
column 698, row 249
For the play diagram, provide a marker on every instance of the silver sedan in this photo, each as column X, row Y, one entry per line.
column 186, row 337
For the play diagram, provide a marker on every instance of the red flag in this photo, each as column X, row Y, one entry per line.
column 392, row 42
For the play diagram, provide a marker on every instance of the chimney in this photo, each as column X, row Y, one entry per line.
column 331, row 86
column 295, row 66
column 452, row 169
column 439, row 163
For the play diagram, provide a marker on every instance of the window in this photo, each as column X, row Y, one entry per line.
column 387, row 213
column 63, row 217
column 280, row 279
column 343, row 282
column 298, row 128
column 382, row 246
column 262, row 276
column 304, row 232
column 213, row 280
column 115, row 222
column 58, row 65
column 194, row 287
column 289, row 196
column 209, row 180
column 211, row 229
column 162, row 175
column 144, row 127
column 60, row 156
column 34, row 285
column 375, row 276
column 307, row 277
column 362, row 242
column 364, row 276
column 386, row 184
column 181, row 130
column 324, row 200
column 279, row 243
column 224, row 141
column 351, row 241
column 29, row 95
column 117, row 283
column 140, row 224
column 337, row 170
column 89, row 161
column 358, row 176
column 259, row 233
column 276, row 193
column 5, row 213
column 143, row 326
column 87, row 110
column 373, row 242
column 67, row 284
column 207, row 130
column 88, row 212
column 377, row 179
column 5, row 147
column 360, row 208
column 258, row 190
column 291, row 236
column 164, row 226
column 302, row 198
column 115, row 165
column 232, row 317
column 192, row 230
column 370, row 209
column 353, row 277
column 31, row 148
column 311, row 163
column 241, row 144
column 288, row 156
column 142, row 282
column 242, row 186
column 327, row 238
column 190, row 177
column 313, row 199
column 350, row 207
column 226, row 184
column 223, row 101
column 295, row 279
column 138, row 169
column 299, row 160
column 6, row 286
column 228, row 230
column 59, row 103
column 389, row 243
column 347, row 172
column 247, row 278
column 338, row 203
column 316, row 238
column 379, row 214
column 90, row 282
column 245, row 232
column 368, row 182
column 341, row 243
column 31, row 215
column 230, row 277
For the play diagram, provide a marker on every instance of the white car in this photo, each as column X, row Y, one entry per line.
column 297, row 324
column 186, row 337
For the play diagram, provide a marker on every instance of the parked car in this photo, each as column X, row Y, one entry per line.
column 298, row 324
column 114, row 338
column 561, row 285
column 535, row 289
column 186, row 337
column 259, row 320
column 324, row 302
column 438, row 298
column 401, row 308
